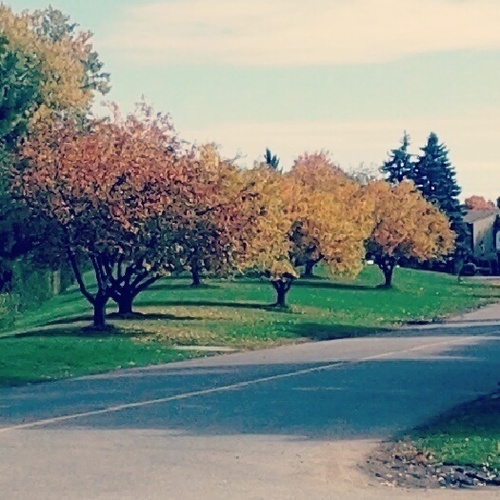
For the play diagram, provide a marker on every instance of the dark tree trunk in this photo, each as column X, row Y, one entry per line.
column 309, row 268
column 386, row 265
column 282, row 287
column 125, row 304
column 388, row 276
column 195, row 274
column 125, row 295
column 280, row 297
column 99, row 318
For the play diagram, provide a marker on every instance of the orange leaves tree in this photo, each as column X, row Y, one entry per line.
column 476, row 202
column 127, row 197
column 213, row 236
column 405, row 225
column 115, row 190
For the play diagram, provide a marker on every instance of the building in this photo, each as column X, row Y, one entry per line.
column 484, row 230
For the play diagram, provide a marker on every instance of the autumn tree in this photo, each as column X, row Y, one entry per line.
column 317, row 173
column 213, row 234
column 476, row 202
column 47, row 68
column 134, row 202
column 405, row 225
column 62, row 55
column 287, row 207
column 114, row 190
column 266, row 241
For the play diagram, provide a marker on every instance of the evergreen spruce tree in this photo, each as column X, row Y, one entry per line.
column 434, row 175
column 399, row 165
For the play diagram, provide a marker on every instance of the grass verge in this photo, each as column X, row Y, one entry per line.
column 458, row 449
column 65, row 352
column 467, row 436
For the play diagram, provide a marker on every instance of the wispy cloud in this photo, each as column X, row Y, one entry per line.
column 298, row 32
column 355, row 141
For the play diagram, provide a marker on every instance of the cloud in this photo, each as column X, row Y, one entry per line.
column 367, row 141
column 296, row 32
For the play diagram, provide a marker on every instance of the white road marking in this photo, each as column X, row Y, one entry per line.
column 230, row 387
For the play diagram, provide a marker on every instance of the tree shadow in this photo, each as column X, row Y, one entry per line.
column 136, row 316
column 308, row 283
column 165, row 285
column 493, row 298
column 315, row 278
column 140, row 316
column 320, row 332
column 208, row 303
column 69, row 331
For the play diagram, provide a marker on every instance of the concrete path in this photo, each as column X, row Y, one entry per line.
column 284, row 423
column 489, row 313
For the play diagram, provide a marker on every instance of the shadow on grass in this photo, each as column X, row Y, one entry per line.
column 473, row 417
column 308, row 283
column 317, row 331
column 490, row 297
column 208, row 303
column 136, row 316
column 166, row 285
column 70, row 331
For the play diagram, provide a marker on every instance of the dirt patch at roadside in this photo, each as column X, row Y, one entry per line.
column 401, row 464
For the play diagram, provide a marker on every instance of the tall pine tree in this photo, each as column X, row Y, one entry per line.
column 399, row 165
column 434, row 175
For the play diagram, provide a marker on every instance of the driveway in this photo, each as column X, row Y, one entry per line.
column 284, row 423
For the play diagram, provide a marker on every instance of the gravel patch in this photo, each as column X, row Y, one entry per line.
column 400, row 464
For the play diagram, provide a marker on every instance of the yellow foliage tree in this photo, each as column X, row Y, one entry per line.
column 317, row 174
column 405, row 225
column 284, row 207
column 69, row 70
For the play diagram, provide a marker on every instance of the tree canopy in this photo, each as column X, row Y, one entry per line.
column 405, row 225
column 476, row 202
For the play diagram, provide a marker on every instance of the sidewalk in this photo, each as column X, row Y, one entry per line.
column 487, row 314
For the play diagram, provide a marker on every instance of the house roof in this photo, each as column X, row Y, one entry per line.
column 475, row 215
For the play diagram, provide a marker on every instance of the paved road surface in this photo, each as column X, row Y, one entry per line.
column 285, row 423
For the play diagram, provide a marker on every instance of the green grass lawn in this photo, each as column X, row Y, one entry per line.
column 231, row 313
column 66, row 353
column 468, row 435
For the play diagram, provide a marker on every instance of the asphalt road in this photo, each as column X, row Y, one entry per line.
column 284, row 423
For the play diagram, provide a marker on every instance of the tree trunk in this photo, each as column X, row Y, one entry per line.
column 308, row 270
column 388, row 276
column 195, row 274
column 100, row 312
column 282, row 288
column 386, row 265
column 280, row 297
column 125, row 304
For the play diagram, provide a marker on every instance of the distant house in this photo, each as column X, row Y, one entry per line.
column 484, row 230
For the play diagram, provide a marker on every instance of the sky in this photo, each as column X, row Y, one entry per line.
column 345, row 76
